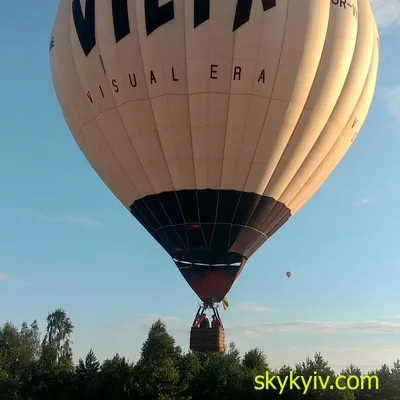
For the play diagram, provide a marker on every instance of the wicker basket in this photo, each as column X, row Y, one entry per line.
column 207, row 339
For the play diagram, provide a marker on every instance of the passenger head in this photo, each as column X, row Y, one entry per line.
column 214, row 317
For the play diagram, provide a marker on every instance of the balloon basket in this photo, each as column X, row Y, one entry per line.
column 207, row 339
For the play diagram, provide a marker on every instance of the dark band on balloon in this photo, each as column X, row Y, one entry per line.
column 210, row 233
column 210, row 221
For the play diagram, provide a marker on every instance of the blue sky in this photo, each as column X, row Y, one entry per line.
column 65, row 241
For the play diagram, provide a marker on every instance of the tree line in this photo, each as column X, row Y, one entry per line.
column 33, row 367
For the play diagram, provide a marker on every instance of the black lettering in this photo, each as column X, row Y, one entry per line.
column 51, row 43
column 101, row 90
column 88, row 94
column 262, row 76
column 132, row 80
column 157, row 16
column 243, row 9
column 116, row 88
column 343, row 3
column 237, row 72
column 152, row 77
column 120, row 18
column 85, row 24
column 213, row 71
column 102, row 64
column 335, row 2
column 173, row 75
column 201, row 12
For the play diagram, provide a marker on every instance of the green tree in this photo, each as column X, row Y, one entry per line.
column 160, row 344
column 86, row 373
column 8, row 387
column 56, row 345
column 10, row 349
column 89, row 368
column 317, row 367
column 157, row 371
column 284, row 373
column 220, row 375
column 389, row 383
column 255, row 361
column 352, row 370
column 29, row 371
column 115, row 379
column 19, row 351
column 188, row 368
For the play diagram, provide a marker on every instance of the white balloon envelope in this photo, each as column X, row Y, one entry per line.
column 214, row 121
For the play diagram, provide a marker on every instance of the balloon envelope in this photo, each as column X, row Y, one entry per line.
column 213, row 122
column 288, row 274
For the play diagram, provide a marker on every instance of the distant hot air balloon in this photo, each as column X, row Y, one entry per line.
column 214, row 122
column 288, row 274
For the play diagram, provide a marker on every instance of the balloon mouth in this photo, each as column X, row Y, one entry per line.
column 207, row 258
column 210, row 280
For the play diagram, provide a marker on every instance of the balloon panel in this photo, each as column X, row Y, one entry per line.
column 224, row 115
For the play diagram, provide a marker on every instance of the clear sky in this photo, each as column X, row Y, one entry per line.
column 65, row 241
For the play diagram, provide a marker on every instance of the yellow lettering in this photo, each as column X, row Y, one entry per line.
column 337, row 382
column 259, row 379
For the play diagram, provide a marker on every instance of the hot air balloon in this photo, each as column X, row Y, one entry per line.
column 288, row 274
column 214, row 122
